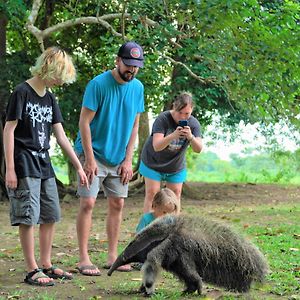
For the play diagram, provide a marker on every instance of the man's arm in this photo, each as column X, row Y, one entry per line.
column 90, row 165
column 125, row 168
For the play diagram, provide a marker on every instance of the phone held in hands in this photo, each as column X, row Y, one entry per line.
column 183, row 123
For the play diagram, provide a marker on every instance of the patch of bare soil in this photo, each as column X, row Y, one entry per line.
column 245, row 193
column 121, row 285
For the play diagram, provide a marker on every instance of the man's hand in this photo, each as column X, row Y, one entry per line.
column 125, row 170
column 91, row 169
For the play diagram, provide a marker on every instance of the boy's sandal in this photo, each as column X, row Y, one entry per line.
column 38, row 274
column 50, row 272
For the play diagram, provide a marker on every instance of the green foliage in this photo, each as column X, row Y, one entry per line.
column 16, row 66
column 280, row 167
column 246, row 52
column 12, row 8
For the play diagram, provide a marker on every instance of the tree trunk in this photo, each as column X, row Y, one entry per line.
column 137, row 182
column 143, row 133
column 49, row 10
column 3, row 100
column 72, row 174
column 3, row 24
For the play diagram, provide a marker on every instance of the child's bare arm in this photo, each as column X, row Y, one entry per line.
column 11, row 180
column 65, row 144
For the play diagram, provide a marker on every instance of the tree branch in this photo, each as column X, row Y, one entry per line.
column 34, row 12
column 202, row 80
column 84, row 20
column 42, row 34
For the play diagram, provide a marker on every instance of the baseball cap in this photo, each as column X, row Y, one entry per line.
column 131, row 54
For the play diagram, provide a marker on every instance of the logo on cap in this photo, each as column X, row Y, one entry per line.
column 135, row 52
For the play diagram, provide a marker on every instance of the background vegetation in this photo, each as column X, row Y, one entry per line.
column 278, row 167
column 240, row 59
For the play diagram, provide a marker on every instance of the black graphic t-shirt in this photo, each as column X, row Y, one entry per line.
column 35, row 116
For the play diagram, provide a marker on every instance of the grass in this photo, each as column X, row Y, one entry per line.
column 273, row 226
column 278, row 235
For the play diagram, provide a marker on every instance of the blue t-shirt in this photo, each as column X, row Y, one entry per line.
column 116, row 106
column 145, row 220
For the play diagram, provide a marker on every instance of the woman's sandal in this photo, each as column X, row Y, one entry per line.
column 39, row 274
column 50, row 272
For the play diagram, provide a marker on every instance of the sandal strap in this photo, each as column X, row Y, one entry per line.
column 39, row 274
column 51, row 272
column 50, row 269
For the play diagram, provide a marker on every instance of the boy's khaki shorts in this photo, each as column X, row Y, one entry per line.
column 35, row 201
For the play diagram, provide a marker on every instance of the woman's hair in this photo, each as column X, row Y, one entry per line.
column 164, row 197
column 54, row 64
column 182, row 100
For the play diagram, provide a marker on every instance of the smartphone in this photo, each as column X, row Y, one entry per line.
column 183, row 123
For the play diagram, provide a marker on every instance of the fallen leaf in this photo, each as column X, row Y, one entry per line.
column 136, row 279
column 296, row 236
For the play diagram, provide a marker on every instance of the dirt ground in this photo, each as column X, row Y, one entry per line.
column 197, row 198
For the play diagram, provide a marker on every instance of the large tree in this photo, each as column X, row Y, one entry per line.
column 239, row 58
column 247, row 52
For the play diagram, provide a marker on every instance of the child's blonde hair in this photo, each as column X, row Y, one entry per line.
column 54, row 64
column 164, row 197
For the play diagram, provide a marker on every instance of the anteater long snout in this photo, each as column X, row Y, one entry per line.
column 119, row 262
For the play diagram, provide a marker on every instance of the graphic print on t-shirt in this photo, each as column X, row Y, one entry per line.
column 39, row 114
column 42, row 136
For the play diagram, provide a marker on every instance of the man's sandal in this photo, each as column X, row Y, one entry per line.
column 38, row 274
column 85, row 270
column 50, row 272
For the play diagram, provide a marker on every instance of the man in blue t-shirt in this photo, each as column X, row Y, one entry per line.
column 108, row 127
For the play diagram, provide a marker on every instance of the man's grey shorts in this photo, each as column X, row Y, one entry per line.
column 35, row 201
column 107, row 179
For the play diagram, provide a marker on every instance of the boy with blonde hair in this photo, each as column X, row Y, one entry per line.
column 32, row 113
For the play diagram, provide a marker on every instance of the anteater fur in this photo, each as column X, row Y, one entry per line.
column 195, row 249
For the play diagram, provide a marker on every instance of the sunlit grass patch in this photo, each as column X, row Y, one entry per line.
column 43, row 296
column 282, row 249
column 126, row 287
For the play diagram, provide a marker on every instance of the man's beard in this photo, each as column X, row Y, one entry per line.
column 126, row 75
